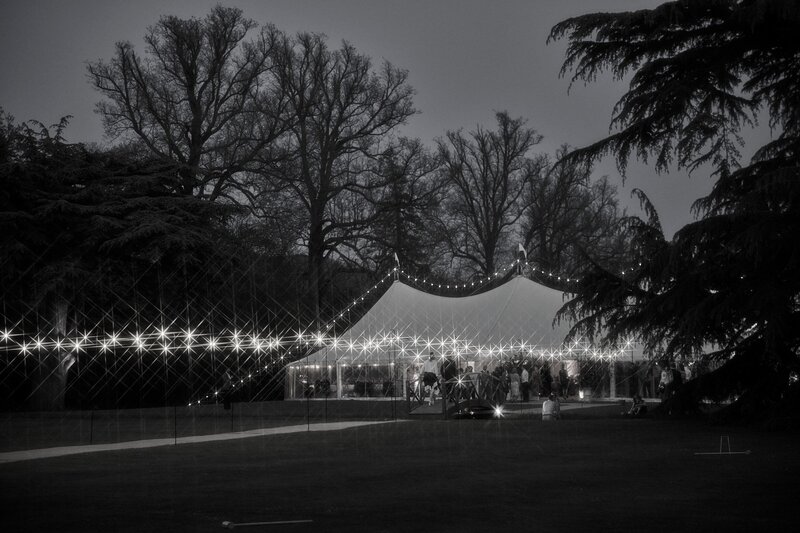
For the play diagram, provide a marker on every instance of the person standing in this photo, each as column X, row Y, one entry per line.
column 547, row 380
column 449, row 375
column 429, row 377
column 665, row 383
column 485, row 390
column 536, row 382
column 499, row 386
column 525, row 385
column 642, row 378
column 227, row 391
column 563, row 382
column 514, row 381
column 469, row 384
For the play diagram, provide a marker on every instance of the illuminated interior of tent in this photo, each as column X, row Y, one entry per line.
column 381, row 355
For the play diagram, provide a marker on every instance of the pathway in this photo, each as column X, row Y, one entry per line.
column 27, row 455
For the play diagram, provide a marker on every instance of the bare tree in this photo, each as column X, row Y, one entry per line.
column 568, row 214
column 340, row 110
column 486, row 172
column 202, row 97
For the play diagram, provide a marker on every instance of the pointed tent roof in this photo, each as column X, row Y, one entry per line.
column 408, row 322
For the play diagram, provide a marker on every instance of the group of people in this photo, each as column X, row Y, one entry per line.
column 460, row 384
column 661, row 379
column 507, row 382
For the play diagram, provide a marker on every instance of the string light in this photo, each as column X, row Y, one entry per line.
column 409, row 346
column 319, row 339
column 488, row 279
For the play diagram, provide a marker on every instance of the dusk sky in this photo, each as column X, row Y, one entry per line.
column 466, row 59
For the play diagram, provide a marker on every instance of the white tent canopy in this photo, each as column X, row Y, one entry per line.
column 383, row 352
column 514, row 318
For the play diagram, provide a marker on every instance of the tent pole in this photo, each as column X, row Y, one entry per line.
column 338, row 380
column 404, row 390
column 613, row 378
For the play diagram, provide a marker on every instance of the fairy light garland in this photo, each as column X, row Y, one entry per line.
column 165, row 341
column 490, row 278
column 411, row 349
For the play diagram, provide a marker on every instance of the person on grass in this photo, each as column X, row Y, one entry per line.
column 551, row 408
column 638, row 408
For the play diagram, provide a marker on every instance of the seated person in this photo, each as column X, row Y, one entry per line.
column 638, row 409
column 551, row 408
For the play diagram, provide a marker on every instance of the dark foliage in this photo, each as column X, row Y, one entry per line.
column 81, row 230
column 728, row 284
column 405, row 212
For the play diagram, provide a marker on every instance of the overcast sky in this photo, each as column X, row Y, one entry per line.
column 466, row 59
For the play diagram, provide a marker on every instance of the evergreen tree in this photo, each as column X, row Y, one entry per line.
column 405, row 211
column 702, row 70
column 72, row 222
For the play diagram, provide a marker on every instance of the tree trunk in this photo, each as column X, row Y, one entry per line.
column 316, row 252
column 50, row 377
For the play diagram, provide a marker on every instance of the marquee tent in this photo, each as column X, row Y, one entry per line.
column 383, row 349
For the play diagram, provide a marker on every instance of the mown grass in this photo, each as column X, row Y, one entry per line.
column 588, row 472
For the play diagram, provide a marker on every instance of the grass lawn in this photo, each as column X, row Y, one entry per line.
column 26, row 431
column 587, row 473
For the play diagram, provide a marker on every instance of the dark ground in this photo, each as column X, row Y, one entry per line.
column 592, row 471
